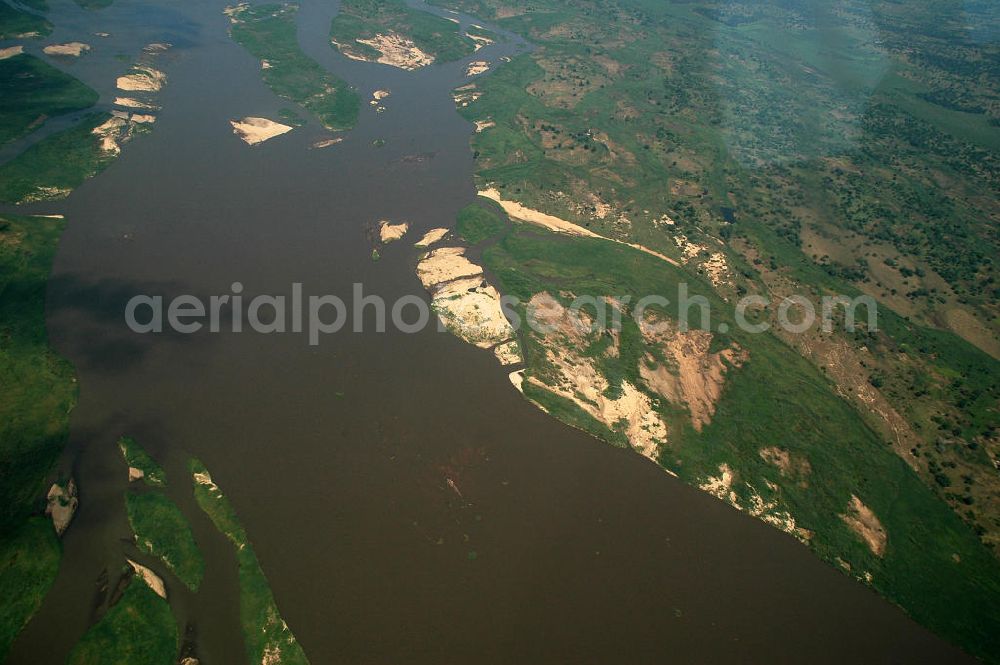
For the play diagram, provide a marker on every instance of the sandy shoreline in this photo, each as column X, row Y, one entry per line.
column 553, row 223
column 149, row 578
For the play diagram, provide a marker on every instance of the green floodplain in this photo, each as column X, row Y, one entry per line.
column 695, row 125
column 933, row 565
column 40, row 392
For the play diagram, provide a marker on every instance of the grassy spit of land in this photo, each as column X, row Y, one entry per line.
column 16, row 23
column 268, row 638
column 479, row 221
column 162, row 531
column 56, row 165
column 32, row 91
column 268, row 32
column 137, row 458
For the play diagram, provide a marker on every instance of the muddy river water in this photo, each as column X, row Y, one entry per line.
column 560, row 549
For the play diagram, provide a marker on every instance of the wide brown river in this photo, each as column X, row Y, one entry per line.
column 561, row 549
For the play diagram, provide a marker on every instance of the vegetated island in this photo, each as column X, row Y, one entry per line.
column 134, row 620
column 135, row 616
column 160, row 528
column 138, row 627
column 392, row 33
column 34, row 91
column 52, row 167
column 18, row 24
column 268, row 32
column 268, row 638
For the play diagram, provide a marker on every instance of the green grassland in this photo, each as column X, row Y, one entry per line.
column 15, row 22
column 263, row 629
column 268, row 32
column 32, row 91
column 824, row 149
column 857, row 121
column 752, row 114
column 363, row 19
column 29, row 561
column 54, row 166
column 39, row 393
column 138, row 458
column 934, row 566
column 139, row 628
column 39, row 387
column 479, row 221
column 162, row 531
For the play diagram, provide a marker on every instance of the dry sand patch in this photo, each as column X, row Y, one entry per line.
column 431, row 237
column 257, row 130
column 389, row 232
column 863, row 521
column 73, row 49
column 11, row 51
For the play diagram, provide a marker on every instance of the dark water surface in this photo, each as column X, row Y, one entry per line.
column 562, row 550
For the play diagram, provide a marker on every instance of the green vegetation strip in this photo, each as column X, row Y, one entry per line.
column 32, row 91
column 364, row 19
column 138, row 458
column 29, row 561
column 39, row 392
column 139, row 628
column 480, row 221
column 39, row 388
column 267, row 637
column 16, row 23
column 56, row 165
column 268, row 32
column 162, row 530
